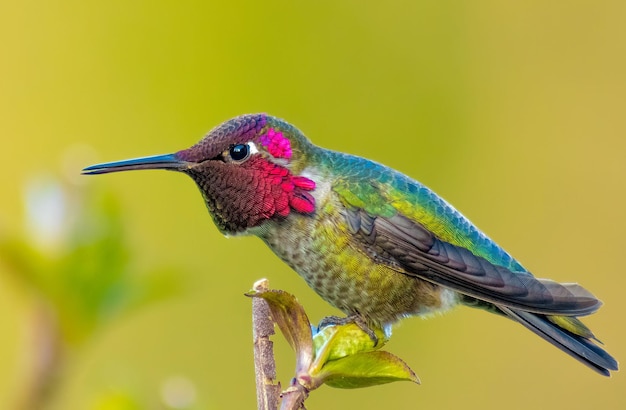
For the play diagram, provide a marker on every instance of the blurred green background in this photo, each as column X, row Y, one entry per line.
column 513, row 111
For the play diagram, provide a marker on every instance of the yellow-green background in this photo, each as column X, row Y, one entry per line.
column 513, row 111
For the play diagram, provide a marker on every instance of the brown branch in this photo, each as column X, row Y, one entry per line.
column 267, row 391
column 45, row 359
column 294, row 397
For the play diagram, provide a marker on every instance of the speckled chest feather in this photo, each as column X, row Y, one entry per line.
column 319, row 248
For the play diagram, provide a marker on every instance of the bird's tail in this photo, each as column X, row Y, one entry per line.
column 577, row 343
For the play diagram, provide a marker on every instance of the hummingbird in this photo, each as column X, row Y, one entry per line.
column 371, row 241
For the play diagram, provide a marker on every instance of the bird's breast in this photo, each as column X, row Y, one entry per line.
column 320, row 248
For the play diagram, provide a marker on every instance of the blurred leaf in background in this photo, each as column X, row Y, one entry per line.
column 72, row 258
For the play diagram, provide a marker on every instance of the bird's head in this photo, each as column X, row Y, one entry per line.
column 248, row 170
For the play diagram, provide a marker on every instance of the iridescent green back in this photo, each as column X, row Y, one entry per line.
column 383, row 191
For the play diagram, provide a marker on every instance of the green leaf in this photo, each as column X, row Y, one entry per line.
column 336, row 342
column 364, row 370
column 293, row 322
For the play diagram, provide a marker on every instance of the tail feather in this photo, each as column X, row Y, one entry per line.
column 580, row 348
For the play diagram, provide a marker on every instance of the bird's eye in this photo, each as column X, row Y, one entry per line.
column 239, row 152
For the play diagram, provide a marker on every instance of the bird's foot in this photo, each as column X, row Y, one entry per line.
column 356, row 319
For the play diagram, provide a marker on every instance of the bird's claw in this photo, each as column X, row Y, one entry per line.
column 356, row 319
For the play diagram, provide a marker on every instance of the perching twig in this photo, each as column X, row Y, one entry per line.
column 294, row 396
column 267, row 391
column 339, row 355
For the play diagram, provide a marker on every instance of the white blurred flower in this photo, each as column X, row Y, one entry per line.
column 48, row 213
column 178, row 392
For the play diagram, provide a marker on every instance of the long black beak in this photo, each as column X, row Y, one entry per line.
column 168, row 161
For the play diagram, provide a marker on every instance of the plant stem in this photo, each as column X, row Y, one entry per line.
column 46, row 360
column 267, row 391
column 294, row 397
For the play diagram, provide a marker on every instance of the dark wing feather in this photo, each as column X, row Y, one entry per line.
column 547, row 308
column 576, row 346
column 519, row 295
column 423, row 255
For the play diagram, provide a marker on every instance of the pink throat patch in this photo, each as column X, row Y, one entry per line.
column 300, row 200
column 279, row 191
column 276, row 143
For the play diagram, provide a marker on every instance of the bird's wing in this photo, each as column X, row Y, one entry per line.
column 389, row 228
